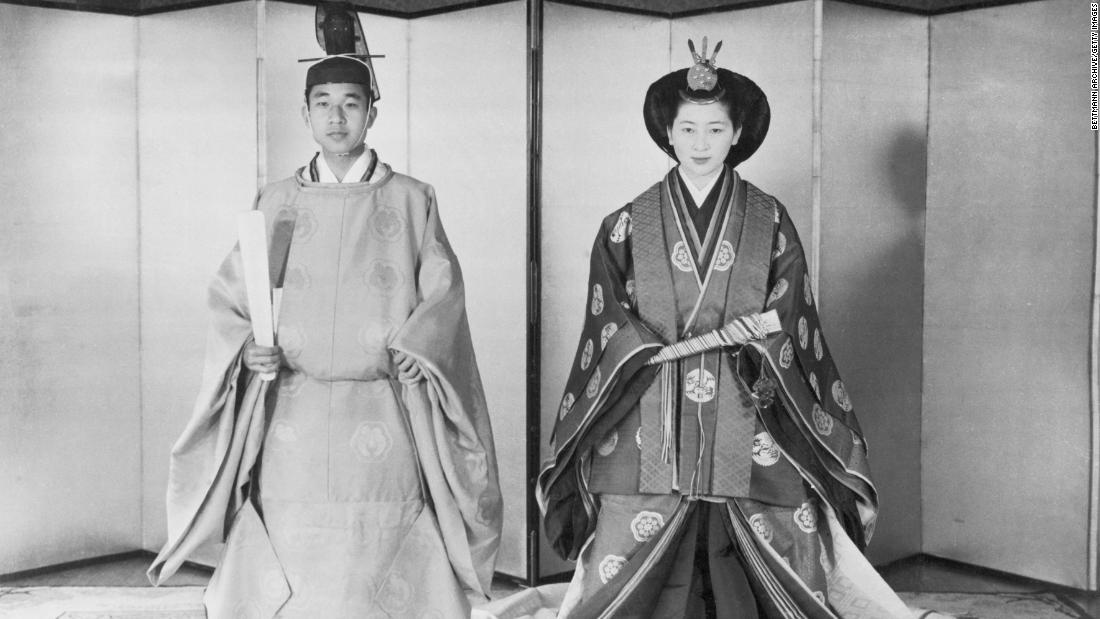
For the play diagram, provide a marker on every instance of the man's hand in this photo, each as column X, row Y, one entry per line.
column 408, row 370
column 262, row 359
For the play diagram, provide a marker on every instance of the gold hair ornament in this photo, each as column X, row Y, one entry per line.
column 703, row 75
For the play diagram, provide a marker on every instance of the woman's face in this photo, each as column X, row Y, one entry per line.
column 701, row 136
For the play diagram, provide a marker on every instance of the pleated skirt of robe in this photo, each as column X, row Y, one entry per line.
column 345, row 528
column 664, row 557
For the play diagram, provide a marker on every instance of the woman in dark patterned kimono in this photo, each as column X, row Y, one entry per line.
column 707, row 462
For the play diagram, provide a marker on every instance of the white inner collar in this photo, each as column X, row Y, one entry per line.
column 355, row 172
column 698, row 195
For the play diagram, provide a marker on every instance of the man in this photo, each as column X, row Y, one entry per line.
column 363, row 481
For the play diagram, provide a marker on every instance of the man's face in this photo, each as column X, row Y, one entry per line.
column 701, row 136
column 339, row 116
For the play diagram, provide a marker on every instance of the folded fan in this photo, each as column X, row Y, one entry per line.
column 756, row 326
column 252, row 235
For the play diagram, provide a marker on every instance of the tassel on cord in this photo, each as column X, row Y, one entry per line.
column 668, row 405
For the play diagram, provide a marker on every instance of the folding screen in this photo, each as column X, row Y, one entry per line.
column 1009, row 267
column 196, row 140
column 874, row 117
column 69, row 377
column 467, row 119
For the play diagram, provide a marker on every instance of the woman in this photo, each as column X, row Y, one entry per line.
column 707, row 462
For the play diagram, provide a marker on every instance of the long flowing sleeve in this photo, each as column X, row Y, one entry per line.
column 448, row 414
column 813, row 417
column 210, row 461
column 607, row 378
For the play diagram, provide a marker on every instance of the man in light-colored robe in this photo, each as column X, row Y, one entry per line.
column 362, row 481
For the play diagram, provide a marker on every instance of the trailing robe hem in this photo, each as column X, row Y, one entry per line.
column 388, row 230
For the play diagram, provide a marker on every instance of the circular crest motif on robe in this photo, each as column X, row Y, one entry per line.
column 247, row 609
column 375, row 335
column 778, row 291
column 638, row 437
column 610, row 566
column 607, row 445
column 371, row 441
column 803, row 332
column 597, row 299
column 566, row 405
column 297, row 278
column 840, row 396
column 645, row 525
column 605, row 334
column 395, row 595
column 814, row 385
column 631, row 292
column 780, row 245
column 305, row 225
column 819, row 350
column 284, row 432
column 807, row 289
column 820, row 597
column 386, row 223
column 477, row 465
column 384, row 276
column 764, row 450
column 586, row 355
column 786, row 355
column 700, row 386
column 291, row 383
column 286, row 214
column 806, row 518
column 292, row 340
column 681, row 259
column 273, row 584
column 621, row 229
column 823, row 422
column 724, row 260
column 761, row 526
column 593, row 384
column 488, row 507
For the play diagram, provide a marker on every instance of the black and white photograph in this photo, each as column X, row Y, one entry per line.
column 534, row 309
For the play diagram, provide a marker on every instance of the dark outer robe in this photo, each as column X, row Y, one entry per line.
column 765, row 431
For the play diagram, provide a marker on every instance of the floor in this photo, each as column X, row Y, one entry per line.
column 923, row 573
column 930, row 574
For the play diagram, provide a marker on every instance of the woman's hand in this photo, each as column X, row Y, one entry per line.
column 262, row 359
column 408, row 370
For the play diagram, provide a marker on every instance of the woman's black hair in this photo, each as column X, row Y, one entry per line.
column 746, row 103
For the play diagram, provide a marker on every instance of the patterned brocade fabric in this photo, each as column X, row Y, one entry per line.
column 366, row 496
column 766, row 429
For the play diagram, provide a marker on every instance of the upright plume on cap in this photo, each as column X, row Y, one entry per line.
column 336, row 32
column 340, row 35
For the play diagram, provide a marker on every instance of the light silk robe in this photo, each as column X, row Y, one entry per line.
column 340, row 491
